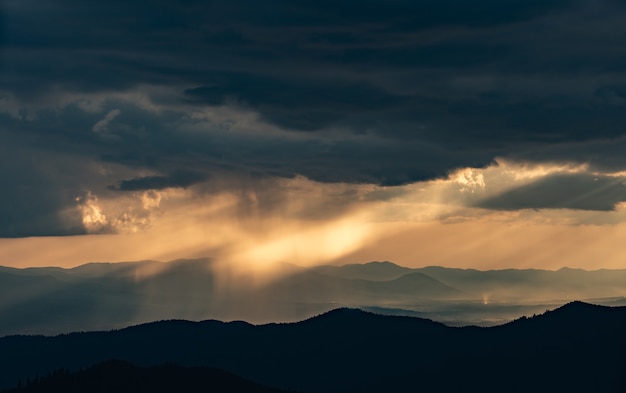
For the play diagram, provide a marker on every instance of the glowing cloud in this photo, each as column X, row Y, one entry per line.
column 94, row 219
column 252, row 227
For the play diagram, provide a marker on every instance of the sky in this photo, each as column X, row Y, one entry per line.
column 482, row 134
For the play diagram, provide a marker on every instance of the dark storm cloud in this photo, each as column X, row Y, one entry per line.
column 579, row 191
column 385, row 92
column 445, row 71
column 295, row 104
column 178, row 179
column 35, row 201
column 32, row 212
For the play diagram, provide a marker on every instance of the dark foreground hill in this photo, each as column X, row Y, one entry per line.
column 115, row 376
column 577, row 348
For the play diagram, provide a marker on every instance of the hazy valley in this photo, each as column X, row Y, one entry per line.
column 102, row 296
column 353, row 328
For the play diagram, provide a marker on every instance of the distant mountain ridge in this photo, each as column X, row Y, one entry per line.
column 99, row 296
column 374, row 271
column 347, row 350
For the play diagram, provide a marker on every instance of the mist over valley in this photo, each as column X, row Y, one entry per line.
column 102, row 296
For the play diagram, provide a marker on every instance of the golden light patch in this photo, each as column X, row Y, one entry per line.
column 304, row 243
column 93, row 217
column 484, row 245
column 526, row 171
column 252, row 231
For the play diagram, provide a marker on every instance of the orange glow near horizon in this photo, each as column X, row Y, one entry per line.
column 480, row 246
column 416, row 225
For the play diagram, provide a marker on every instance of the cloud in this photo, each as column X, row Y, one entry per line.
column 562, row 191
column 449, row 73
column 385, row 93
column 178, row 179
column 93, row 217
column 103, row 125
column 131, row 213
column 34, row 199
column 295, row 103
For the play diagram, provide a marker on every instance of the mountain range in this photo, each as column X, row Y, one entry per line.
column 102, row 296
column 578, row 347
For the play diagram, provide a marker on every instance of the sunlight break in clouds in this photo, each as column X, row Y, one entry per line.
column 304, row 244
column 469, row 179
column 127, row 214
column 94, row 219
column 435, row 222
column 231, row 130
column 228, row 226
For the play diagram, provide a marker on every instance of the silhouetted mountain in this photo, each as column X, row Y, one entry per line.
column 576, row 348
column 393, row 311
column 115, row 376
